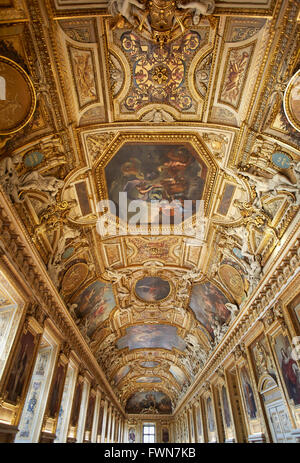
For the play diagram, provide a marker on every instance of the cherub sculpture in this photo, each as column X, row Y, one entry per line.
column 272, row 185
column 200, row 8
column 125, row 9
column 233, row 309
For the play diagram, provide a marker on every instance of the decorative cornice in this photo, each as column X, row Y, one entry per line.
column 283, row 271
column 18, row 246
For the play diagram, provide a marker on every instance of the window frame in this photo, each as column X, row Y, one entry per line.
column 149, row 434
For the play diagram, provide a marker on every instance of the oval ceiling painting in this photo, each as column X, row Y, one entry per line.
column 281, row 160
column 17, row 97
column 292, row 101
column 208, row 305
column 149, row 402
column 149, row 364
column 152, row 289
column 74, row 277
column 232, row 279
column 149, row 379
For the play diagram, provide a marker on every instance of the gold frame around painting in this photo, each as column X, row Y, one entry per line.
column 27, row 83
column 163, row 138
column 287, row 102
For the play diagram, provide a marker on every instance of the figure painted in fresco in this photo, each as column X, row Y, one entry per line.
column 199, row 422
column 178, row 374
column 90, row 414
column 210, row 416
column 152, row 289
column 291, row 375
column 131, row 436
column 121, row 373
column 209, row 305
column 149, row 379
column 83, row 67
column 57, row 390
column 151, row 336
column 165, row 435
column 92, row 297
column 248, row 394
column 94, row 304
column 18, row 373
column 226, row 407
column 156, row 173
column 149, row 402
column 149, row 364
column 76, row 405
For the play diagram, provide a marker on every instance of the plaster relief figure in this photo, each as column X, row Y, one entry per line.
column 200, row 8
column 272, row 185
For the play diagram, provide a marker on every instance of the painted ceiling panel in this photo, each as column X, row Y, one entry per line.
column 154, row 336
column 208, row 304
column 206, row 109
column 149, row 402
column 94, row 304
column 156, row 172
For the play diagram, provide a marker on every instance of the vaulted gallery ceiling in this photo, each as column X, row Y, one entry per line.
column 164, row 105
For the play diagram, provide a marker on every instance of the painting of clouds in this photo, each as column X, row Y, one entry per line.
column 149, row 379
column 152, row 289
column 121, row 374
column 151, row 336
column 149, row 364
column 178, row 374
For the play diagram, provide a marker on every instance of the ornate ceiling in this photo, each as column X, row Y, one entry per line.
column 108, row 99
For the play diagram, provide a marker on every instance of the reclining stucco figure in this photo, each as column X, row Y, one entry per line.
column 204, row 8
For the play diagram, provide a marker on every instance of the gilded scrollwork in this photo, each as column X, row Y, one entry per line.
column 145, row 76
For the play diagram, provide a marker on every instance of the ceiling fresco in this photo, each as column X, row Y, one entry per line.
column 146, row 336
column 152, row 289
column 121, row 374
column 149, row 402
column 156, row 172
column 94, row 304
column 198, row 118
column 209, row 305
column 149, row 379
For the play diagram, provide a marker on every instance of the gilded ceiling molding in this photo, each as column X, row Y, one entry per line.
column 36, row 17
column 287, row 26
column 17, row 113
column 137, row 299
column 247, row 9
column 266, row 294
column 290, row 101
column 15, row 11
column 17, row 244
